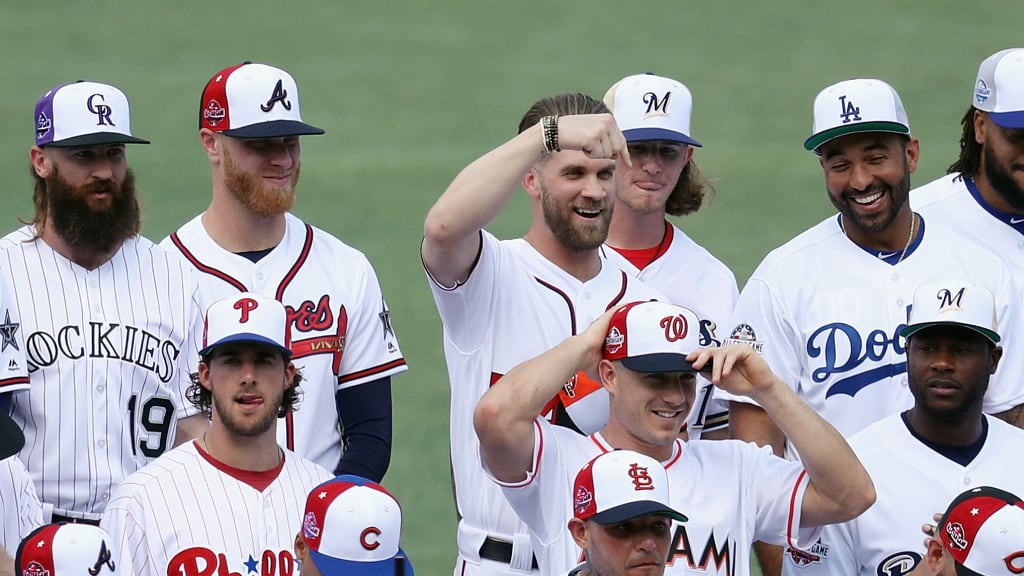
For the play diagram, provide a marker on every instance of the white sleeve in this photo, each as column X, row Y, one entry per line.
column 466, row 309
column 188, row 359
column 1006, row 389
column 778, row 487
column 371, row 347
column 832, row 554
column 120, row 520
column 13, row 365
column 20, row 511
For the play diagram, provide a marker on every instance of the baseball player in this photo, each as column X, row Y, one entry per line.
column 20, row 511
column 68, row 550
column 504, row 301
column 646, row 355
column 981, row 533
column 653, row 113
column 110, row 321
column 921, row 458
column 248, row 241
column 231, row 501
column 621, row 515
column 982, row 197
column 351, row 527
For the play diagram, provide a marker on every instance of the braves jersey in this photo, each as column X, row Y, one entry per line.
column 826, row 315
column 954, row 203
column 341, row 333
column 514, row 306
column 732, row 492
column 20, row 511
column 688, row 275
column 913, row 482
column 110, row 352
column 189, row 515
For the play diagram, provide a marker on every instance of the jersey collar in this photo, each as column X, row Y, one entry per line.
column 1015, row 221
column 890, row 257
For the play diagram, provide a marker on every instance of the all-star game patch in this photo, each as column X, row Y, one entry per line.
column 744, row 334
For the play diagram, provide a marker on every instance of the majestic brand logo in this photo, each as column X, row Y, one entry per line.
column 641, row 479
column 848, row 111
column 96, row 105
column 104, row 559
column 676, row 327
column 279, row 95
column 656, row 107
column 948, row 300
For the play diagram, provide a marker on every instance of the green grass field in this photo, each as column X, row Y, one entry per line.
column 410, row 92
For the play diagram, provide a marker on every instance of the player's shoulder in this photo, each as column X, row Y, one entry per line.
column 696, row 258
column 999, row 428
column 170, row 468
column 308, row 472
column 18, row 237
column 938, row 191
column 325, row 242
column 805, row 248
column 185, row 234
column 879, row 437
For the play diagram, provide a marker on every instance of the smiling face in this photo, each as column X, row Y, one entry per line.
column 247, row 382
column 647, row 410
column 262, row 173
column 576, row 195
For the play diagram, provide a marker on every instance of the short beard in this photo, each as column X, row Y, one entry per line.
column 256, row 428
column 1001, row 181
column 257, row 197
column 79, row 224
column 559, row 221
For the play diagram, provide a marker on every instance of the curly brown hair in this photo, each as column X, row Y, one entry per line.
column 202, row 398
column 969, row 162
column 690, row 191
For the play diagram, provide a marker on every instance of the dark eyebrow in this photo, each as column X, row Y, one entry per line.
column 873, row 146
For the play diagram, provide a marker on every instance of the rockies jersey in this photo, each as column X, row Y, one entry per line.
column 341, row 333
column 688, row 275
column 20, row 512
column 913, row 482
column 189, row 515
column 514, row 306
column 732, row 492
column 955, row 204
column 110, row 352
column 826, row 315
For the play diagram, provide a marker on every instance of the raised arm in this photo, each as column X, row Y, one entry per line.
column 504, row 417
column 451, row 232
column 839, row 488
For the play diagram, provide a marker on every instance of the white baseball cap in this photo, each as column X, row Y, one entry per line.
column 858, row 105
column 983, row 530
column 352, row 527
column 621, row 485
column 649, row 107
column 246, row 317
column 953, row 303
column 253, row 101
column 84, row 114
column 653, row 337
column 999, row 89
column 67, row 550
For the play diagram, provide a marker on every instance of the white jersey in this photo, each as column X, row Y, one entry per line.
column 340, row 326
column 20, row 511
column 913, row 482
column 514, row 306
column 732, row 493
column 189, row 515
column 955, row 204
column 110, row 352
column 688, row 275
column 826, row 315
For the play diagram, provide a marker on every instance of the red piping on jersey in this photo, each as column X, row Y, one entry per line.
column 257, row 479
column 678, row 454
column 203, row 267
column 13, row 381
column 568, row 302
column 371, row 371
column 298, row 264
column 644, row 257
column 792, row 510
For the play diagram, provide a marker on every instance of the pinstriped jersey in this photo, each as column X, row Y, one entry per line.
column 732, row 493
column 688, row 275
column 514, row 306
column 109, row 355
column 188, row 515
column 340, row 325
column 20, row 512
column 13, row 367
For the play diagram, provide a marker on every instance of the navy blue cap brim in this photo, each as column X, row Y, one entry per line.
column 274, row 129
column 245, row 337
column 661, row 362
column 624, row 512
column 328, row 566
column 647, row 134
column 96, row 139
column 12, row 439
column 1012, row 120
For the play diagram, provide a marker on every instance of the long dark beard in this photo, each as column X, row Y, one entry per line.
column 79, row 224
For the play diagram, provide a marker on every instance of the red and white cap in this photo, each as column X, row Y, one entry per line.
column 999, row 88
column 858, row 105
column 66, row 550
column 253, row 101
column 953, row 303
column 246, row 317
column 621, row 485
column 84, row 114
column 983, row 530
column 352, row 526
column 650, row 107
column 653, row 337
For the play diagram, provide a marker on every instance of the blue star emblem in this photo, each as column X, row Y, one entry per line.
column 7, row 332
column 252, row 564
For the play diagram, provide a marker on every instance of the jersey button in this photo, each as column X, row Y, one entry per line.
column 586, row 295
column 967, row 480
column 899, row 302
column 102, row 443
column 894, row 277
column 93, row 283
column 100, row 388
